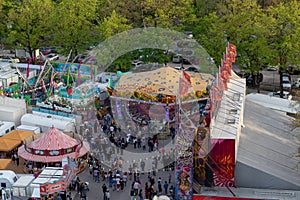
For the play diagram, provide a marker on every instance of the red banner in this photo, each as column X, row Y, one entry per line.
column 223, row 161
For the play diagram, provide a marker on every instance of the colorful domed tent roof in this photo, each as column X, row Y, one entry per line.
column 53, row 140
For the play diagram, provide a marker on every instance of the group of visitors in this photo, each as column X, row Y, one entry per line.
column 117, row 180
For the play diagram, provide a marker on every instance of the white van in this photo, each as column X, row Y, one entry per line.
column 7, row 178
column 34, row 129
column 6, row 127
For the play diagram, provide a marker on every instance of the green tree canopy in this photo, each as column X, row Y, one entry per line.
column 30, row 24
column 113, row 24
column 75, row 25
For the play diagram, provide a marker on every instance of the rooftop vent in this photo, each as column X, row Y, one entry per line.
column 236, row 96
column 233, row 111
column 230, row 121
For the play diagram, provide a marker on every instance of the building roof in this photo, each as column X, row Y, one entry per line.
column 230, row 110
column 269, row 142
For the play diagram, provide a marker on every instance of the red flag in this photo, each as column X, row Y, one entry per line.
column 187, row 76
column 227, row 56
column 28, row 68
column 221, row 84
column 232, row 48
column 216, row 93
column 232, row 51
column 185, row 83
column 226, row 65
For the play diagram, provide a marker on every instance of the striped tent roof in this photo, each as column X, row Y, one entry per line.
column 53, row 140
column 48, row 159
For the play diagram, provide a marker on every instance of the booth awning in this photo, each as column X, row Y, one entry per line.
column 8, row 144
column 18, row 135
column 4, row 163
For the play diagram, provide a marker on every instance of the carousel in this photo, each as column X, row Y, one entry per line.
column 51, row 147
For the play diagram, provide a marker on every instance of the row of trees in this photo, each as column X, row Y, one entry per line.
column 266, row 32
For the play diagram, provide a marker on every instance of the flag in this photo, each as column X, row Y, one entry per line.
column 226, row 65
column 52, row 78
column 68, row 77
column 78, row 78
column 217, row 96
column 187, row 76
column 184, row 83
column 28, row 69
column 232, row 51
column 228, row 57
column 220, row 83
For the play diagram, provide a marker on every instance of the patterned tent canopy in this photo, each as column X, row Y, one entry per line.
column 164, row 80
column 53, row 140
column 18, row 135
column 4, row 163
column 8, row 144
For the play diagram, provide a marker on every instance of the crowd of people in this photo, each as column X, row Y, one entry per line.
column 118, row 181
column 106, row 161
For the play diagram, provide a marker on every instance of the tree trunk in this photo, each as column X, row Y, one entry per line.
column 280, row 81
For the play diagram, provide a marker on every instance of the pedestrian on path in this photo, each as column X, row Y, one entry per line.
column 104, row 189
column 107, row 194
column 141, row 194
column 166, row 185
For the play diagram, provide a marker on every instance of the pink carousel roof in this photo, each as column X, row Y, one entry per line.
column 53, row 140
column 47, row 159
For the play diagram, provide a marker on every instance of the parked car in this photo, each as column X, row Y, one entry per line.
column 297, row 83
column 47, row 50
column 192, row 69
column 286, row 95
column 179, row 67
column 286, row 84
column 176, row 59
column 272, row 68
column 52, row 56
column 286, row 76
column 137, row 63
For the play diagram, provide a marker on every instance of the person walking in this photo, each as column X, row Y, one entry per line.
column 166, row 185
column 141, row 194
column 104, row 189
column 107, row 194
column 159, row 186
column 78, row 185
column 143, row 166
column 170, row 177
column 132, row 194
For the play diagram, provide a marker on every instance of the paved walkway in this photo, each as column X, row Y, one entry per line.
column 95, row 192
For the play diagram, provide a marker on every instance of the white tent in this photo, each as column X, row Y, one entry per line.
column 46, row 122
column 268, row 155
column 280, row 104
